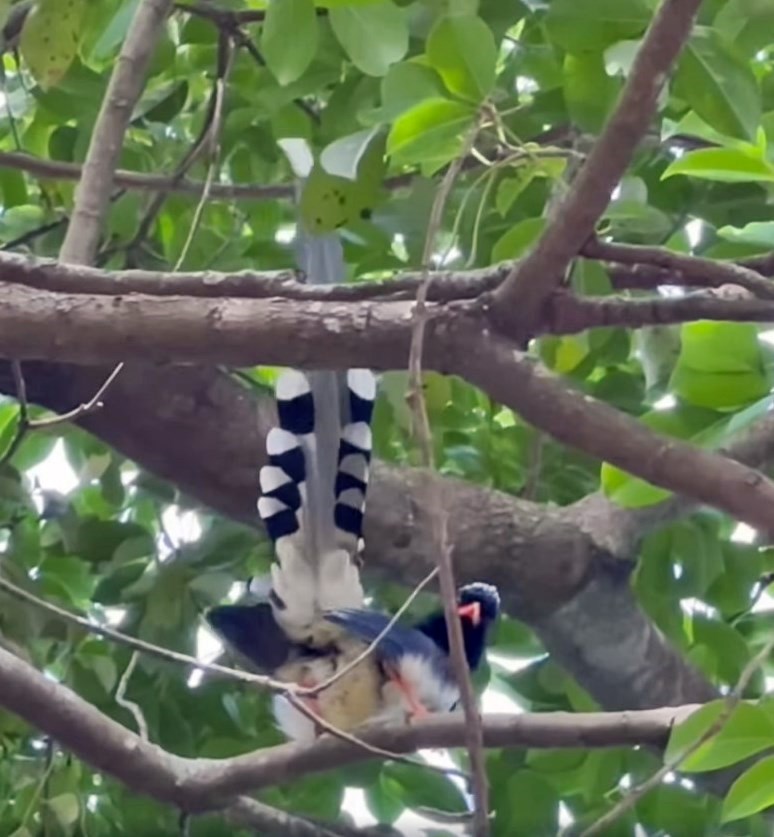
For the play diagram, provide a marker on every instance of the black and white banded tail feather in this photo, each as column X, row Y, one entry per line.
column 313, row 495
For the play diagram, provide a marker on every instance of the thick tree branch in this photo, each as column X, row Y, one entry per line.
column 92, row 329
column 92, row 195
column 446, row 285
column 199, row 785
column 521, row 297
column 199, row 429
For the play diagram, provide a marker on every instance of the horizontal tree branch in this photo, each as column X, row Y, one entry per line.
column 50, row 275
column 59, row 170
column 707, row 272
column 198, row 785
column 94, row 329
column 569, row 314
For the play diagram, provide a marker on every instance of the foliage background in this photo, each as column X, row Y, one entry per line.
column 85, row 528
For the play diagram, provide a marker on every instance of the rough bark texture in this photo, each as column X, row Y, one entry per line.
column 199, row 429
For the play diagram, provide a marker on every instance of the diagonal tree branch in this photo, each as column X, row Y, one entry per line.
column 518, row 302
column 92, row 195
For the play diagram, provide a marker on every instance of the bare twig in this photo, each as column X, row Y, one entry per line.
column 140, row 645
column 421, row 427
column 25, row 423
column 94, row 403
column 326, row 684
column 287, row 690
column 566, row 313
column 46, row 274
column 211, row 140
column 130, row 705
column 58, row 170
column 92, row 194
column 22, row 421
column 519, row 300
column 636, row 793
column 204, row 141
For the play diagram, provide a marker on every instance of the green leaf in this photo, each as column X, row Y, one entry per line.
column 374, row 36
column 726, row 165
column 589, row 91
column 422, row 788
column 753, row 791
column 580, row 25
column 718, row 85
column 98, row 540
column 65, row 808
column 432, row 130
column 518, row 239
column 747, row 24
column 463, row 51
column 49, row 39
column 747, row 731
column 406, row 85
column 540, row 816
column 289, row 38
column 758, row 233
column 720, row 366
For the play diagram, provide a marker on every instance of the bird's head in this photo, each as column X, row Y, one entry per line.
column 478, row 604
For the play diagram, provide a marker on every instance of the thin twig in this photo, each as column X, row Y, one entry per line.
column 287, row 690
column 707, row 271
column 145, row 647
column 636, row 793
column 130, row 705
column 22, row 421
column 421, row 429
column 211, row 139
column 198, row 147
column 310, row 691
column 90, row 406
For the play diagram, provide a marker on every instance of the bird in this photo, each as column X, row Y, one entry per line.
column 416, row 661
column 311, row 621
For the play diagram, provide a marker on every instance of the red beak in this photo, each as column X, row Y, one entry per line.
column 470, row 611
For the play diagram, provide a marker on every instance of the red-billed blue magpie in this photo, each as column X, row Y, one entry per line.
column 312, row 621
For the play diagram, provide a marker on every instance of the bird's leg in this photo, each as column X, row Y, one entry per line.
column 417, row 710
column 307, row 681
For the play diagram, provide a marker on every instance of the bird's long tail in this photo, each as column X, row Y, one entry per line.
column 313, row 490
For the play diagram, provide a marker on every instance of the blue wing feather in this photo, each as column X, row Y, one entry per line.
column 366, row 625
